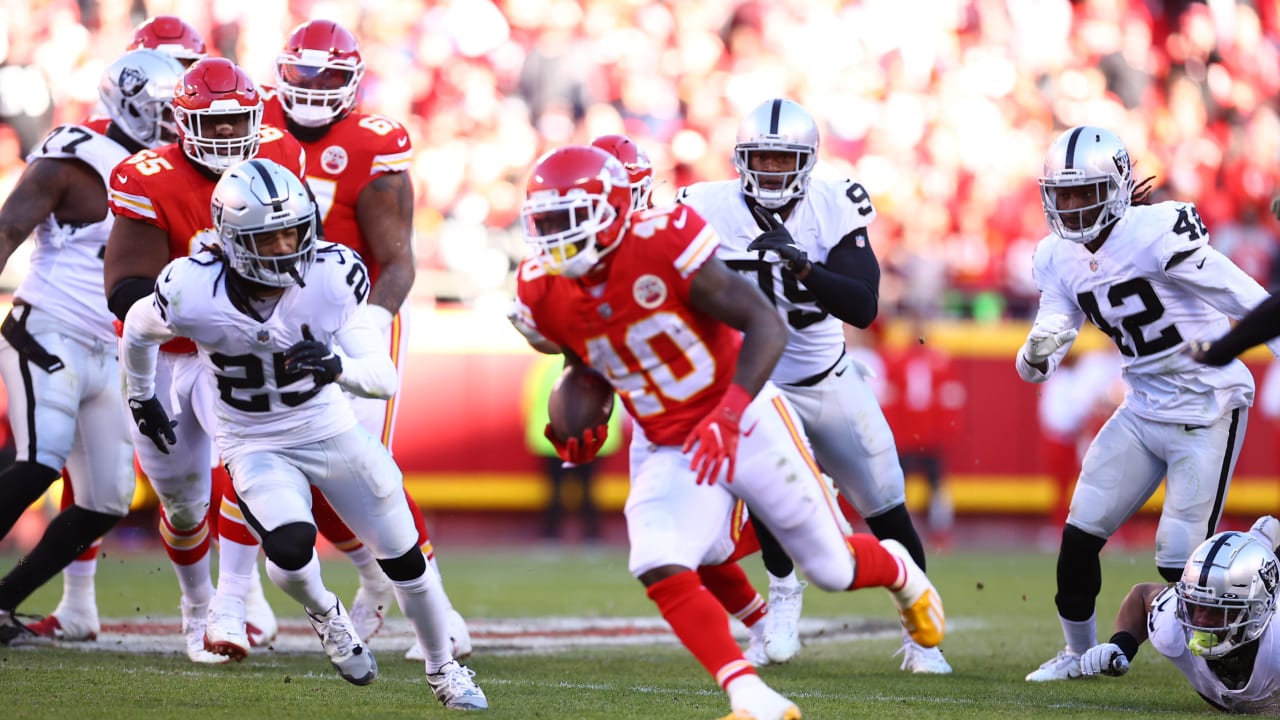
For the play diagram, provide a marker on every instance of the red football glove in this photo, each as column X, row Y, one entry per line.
column 717, row 437
column 578, row 451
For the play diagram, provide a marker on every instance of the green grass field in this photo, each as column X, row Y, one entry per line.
column 1000, row 606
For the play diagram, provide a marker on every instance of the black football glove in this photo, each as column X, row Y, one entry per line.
column 312, row 356
column 779, row 241
column 154, row 422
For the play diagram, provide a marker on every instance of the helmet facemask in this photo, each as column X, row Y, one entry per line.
column 1082, row 159
column 315, row 90
column 786, row 130
column 200, row 139
column 250, row 204
column 564, row 230
column 1227, row 594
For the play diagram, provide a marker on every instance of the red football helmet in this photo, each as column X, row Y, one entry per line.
column 318, row 73
column 219, row 112
column 636, row 161
column 577, row 207
column 170, row 35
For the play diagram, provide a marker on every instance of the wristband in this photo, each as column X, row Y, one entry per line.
column 1127, row 643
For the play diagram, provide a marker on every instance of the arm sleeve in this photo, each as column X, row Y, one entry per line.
column 144, row 330
column 847, row 285
column 367, row 369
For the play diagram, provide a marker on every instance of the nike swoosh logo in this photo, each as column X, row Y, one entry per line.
column 684, row 218
column 122, row 179
column 1193, row 428
column 751, row 429
column 402, row 141
column 841, row 371
column 1200, row 264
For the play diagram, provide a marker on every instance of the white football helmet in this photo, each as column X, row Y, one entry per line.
column 260, row 196
column 137, row 91
column 1086, row 156
column 1227, row 593
column 777, row 125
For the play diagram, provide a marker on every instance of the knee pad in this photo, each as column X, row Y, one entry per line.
column 290, row 546
column 408, row 566
column 1079, row 573
column 895, row 524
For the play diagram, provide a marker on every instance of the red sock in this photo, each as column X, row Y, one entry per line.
column 698, row 620
column 729, row 584
column 873, row 565
column 184, row 547
column 231, row 524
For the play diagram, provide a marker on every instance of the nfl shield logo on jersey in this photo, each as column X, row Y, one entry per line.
column 649, row 291
column 263, row 337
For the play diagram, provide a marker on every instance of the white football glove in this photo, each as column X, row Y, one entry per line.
column 1047, row 336
column 1267, row 529
column 1105, row 659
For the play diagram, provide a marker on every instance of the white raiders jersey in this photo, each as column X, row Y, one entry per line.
column 829, row 210
column 260, row 405
column 1151, row 312
column 1261, row 694
column 65, row 277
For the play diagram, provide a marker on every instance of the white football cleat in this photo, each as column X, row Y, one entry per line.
column 193, row 621
column 68, row 624
column 919, row 605
column 761, row 702
column 782, row 623
column 347, row 653
column 922, row 660
column 259, row 619
column 1063, row 666
column 369, row 609
column 224, row 629
column 454, row 688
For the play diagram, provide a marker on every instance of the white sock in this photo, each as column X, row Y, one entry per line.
column 1080, row 634
column 78, row 589
column 367, row 565
column 420, row 600
column 194, row 581
column 304, row 585
column 790, row 583
column 237, row 564
column 743, row 684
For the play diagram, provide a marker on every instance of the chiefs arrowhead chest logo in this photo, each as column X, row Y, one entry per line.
column 649, row 291
column 334, row 159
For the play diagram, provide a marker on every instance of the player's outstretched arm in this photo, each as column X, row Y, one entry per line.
column 1258, row 326
column 1113, row 657
column 724, row 295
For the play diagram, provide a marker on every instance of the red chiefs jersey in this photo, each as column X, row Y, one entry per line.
column 354, row 151
column 97, row 123
column 164, row 188
column 669, row 363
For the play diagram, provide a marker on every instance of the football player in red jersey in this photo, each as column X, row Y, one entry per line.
column 357, row 166
column 727, row 580
column 161, row 201
column 689, row 347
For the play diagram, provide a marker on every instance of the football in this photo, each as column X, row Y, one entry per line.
column 580, row 400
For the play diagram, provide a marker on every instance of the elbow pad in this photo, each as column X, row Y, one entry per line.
column 127, row 292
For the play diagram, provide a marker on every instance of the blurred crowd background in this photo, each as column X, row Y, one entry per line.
column 943, row 109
